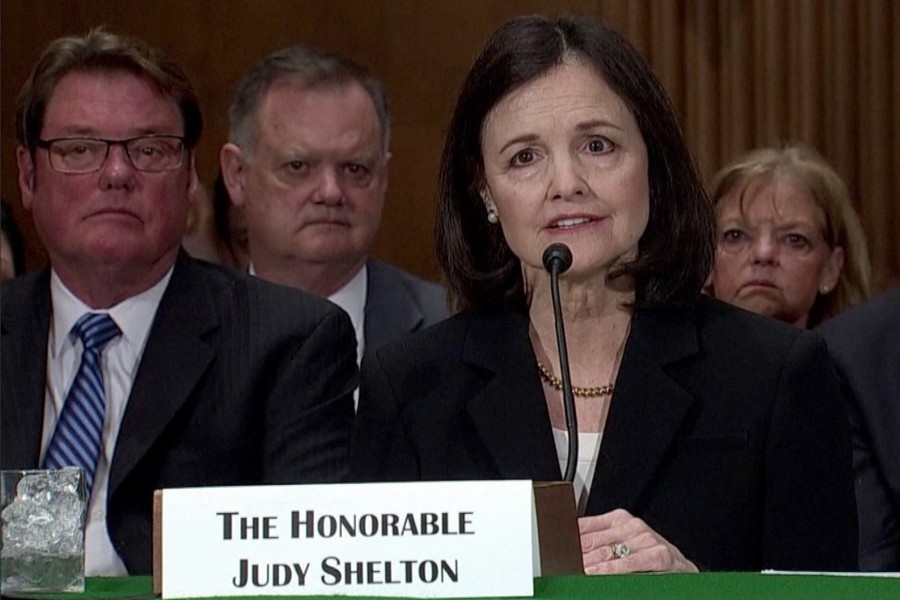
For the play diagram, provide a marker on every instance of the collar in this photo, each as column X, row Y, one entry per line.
column 134, row 315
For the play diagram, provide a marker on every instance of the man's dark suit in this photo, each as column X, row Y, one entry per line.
column 398, row 304
column 865, row 342
column 241, row 382
column 726, row 433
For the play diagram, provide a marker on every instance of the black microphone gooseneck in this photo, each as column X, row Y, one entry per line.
column 557, row 259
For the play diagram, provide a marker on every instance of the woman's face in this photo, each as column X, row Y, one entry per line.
column 564, row 161
column 772, row 255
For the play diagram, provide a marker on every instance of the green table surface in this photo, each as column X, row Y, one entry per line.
column 717, row 586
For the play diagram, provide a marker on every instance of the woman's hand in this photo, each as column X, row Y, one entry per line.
column 639, row 547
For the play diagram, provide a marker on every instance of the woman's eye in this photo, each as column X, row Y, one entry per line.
column 523, row 157
column 731, row 236
column 796, row 240
column 599, row 145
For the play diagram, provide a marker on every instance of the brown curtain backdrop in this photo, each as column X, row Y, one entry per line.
column 741, row 73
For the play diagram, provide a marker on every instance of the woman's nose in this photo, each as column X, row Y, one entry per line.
column 568, row 182
column 764, row 248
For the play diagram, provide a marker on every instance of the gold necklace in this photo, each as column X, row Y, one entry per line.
column 583, row 392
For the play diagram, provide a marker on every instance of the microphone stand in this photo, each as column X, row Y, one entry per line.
column 557, row 259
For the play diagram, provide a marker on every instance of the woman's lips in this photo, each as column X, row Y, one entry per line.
column 761, row 283
column 572, row 222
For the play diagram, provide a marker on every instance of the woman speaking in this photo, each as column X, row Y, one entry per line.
column 709, row 438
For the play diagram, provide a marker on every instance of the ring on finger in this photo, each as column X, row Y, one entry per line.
column 620, row 549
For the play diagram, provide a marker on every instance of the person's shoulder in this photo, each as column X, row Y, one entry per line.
column 446, row 339
column 245, row 293
column 879, row 315
column 17, row 294
column 718, row 320
column 736, row 353
column 433, row 341
column 737, row 335
column 432, row 297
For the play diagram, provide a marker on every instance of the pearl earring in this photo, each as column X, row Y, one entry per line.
column 492, row 216
column 824, row 289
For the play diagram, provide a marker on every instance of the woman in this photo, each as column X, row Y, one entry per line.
column 790, row 245
column 710, row 438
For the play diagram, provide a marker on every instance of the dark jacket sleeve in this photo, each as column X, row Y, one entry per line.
column 810, row 507
column 879, row 529
column 309, row 410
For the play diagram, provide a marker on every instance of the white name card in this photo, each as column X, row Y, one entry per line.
column 424, row 539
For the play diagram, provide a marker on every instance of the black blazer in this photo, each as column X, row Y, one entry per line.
column 865, row 342
column 726, row 433
column 241, row 382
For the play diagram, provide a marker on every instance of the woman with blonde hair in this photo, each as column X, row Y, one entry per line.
column 790, row 244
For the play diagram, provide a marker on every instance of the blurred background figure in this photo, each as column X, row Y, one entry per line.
column 12, row 247
column 216, row 228
column 230, row 227
column 200, row 237
column 790, row 245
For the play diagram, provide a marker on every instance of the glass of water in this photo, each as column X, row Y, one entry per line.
column 43, row 515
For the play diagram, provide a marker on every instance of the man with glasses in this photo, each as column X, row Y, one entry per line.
column 128, row 358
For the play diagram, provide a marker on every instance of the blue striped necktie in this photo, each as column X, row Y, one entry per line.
column 79, row 430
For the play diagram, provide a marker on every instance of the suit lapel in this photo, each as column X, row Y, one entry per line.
column 647, row 409
column 510, row 413
column 25, row 329
column 176, row 356
column 391, row 312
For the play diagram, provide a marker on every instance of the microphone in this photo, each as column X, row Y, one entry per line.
column 557, row 259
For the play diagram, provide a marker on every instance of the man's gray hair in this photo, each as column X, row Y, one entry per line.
column 306, row 67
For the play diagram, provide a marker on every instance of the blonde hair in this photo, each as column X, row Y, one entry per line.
column 842, row 226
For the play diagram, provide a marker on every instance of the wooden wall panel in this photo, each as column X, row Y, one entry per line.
column 875, row 117
column 735, row 133
column 891, row 229
column 741, row 73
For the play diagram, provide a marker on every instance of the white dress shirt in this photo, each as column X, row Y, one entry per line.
column 119, row 362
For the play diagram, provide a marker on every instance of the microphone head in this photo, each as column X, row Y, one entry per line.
column 559, row 254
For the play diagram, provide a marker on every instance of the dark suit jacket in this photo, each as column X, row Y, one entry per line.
column 865, row 342
column 241, row 382
column 399, row 304
column 726, row 433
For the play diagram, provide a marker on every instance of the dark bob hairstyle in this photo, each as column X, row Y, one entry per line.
column 677, row 249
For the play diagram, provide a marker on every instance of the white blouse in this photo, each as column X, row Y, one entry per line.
column 588, row 451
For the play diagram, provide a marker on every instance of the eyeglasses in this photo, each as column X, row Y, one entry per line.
column 86, row 155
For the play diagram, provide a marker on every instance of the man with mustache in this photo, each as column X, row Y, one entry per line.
column 307, row 160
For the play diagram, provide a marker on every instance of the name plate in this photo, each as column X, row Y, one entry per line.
column 423, row 539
